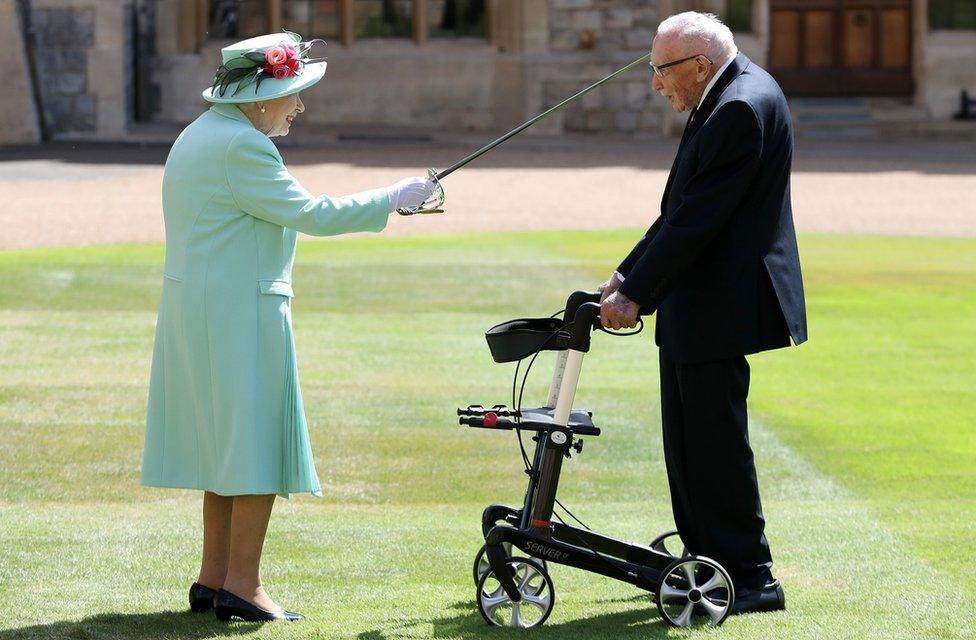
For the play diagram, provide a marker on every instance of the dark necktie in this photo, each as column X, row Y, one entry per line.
column 687, row 131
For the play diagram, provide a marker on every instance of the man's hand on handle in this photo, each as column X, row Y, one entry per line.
column 617, row 311
column 609, row 286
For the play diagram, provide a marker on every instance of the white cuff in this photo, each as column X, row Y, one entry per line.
column 616, row 274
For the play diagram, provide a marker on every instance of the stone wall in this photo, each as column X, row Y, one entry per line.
column 83, row 56
column 62, row 37
column 383, row 83
column 469, row 84
column 589, row 39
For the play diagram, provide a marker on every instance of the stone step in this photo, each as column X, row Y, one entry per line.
column 860, row 117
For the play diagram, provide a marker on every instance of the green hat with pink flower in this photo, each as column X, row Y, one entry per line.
column 264, row 68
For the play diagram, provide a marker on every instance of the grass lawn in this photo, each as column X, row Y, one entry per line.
column 864, row 439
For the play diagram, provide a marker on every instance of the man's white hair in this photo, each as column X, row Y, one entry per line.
column 690, row 26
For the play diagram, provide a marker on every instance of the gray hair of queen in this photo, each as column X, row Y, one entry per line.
column 716, row 38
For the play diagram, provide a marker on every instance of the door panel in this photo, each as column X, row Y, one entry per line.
column 841, row 47
column 785, row 45
column 858, row 39
column 819, row 40
column 895, row 39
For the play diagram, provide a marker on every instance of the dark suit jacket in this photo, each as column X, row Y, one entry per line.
column 720, row 265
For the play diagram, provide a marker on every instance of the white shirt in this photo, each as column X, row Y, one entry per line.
column 708, row 87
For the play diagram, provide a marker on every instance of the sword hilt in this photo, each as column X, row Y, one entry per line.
column 432, row 204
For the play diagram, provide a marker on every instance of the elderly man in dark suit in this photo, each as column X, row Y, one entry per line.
column 720, row 268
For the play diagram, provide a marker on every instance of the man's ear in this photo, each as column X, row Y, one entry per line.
column 703, row 68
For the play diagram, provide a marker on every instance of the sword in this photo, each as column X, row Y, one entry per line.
column 436, row 200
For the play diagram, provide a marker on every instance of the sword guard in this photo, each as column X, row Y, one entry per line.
column 433, row 204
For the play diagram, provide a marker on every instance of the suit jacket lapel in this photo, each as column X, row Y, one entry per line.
column 708, row 105
column 699, row 116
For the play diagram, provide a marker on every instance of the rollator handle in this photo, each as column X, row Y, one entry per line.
column 576, row 300
column 579, row 298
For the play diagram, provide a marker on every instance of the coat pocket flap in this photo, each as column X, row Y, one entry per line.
column 276, row 287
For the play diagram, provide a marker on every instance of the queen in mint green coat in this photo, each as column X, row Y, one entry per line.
column 225, row 410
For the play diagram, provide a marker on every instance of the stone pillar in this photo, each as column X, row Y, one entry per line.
column 109, row 68
column 18, row 113
column 519, row 32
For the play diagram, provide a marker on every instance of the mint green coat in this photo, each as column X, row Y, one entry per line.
column 225, row 408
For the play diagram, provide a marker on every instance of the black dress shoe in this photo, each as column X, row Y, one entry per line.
column 201, row 598
column 229, row 606
column 770, row 597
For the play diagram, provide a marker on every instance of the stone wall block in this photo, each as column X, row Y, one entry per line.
column 614, row 95
column 600, row 120
column 564, row 40
column 648, row 120
column 592, row 100
column 70, row 83
column 571, row 4
column 83, row 27
column 647, row 18
column 625, row 120
column 639, row 39
column 638, row 95
column 39, row 19
column 610, row 40
column 85, row 110
column 574, row 120
column 588, row 20
column 618, row 18
column 561, row 20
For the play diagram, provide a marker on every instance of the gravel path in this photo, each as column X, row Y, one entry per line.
column 66, row 194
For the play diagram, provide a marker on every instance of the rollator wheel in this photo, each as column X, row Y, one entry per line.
column 695, row 591
column 669, row 542
column 533, row 583
column 481, row 565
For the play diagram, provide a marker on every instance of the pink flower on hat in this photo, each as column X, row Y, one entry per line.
column 281, row 61
column 275, row 55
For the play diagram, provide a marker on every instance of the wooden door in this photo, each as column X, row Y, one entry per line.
column 841, row 47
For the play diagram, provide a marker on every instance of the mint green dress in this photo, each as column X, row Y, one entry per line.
column 225, row 409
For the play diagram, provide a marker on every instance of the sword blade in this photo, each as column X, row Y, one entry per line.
column 525, row 125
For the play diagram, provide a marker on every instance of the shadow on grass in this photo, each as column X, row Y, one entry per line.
column 637, row 623
column 135, row 626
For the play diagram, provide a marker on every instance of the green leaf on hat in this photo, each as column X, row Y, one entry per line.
column 239, row 63
column 246, row 82
column 232, row 76
column 293, row 35
column 255, row 56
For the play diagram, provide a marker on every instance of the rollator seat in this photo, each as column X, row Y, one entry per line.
column 519, row 339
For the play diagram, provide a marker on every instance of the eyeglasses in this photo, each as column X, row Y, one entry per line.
column 659, row 69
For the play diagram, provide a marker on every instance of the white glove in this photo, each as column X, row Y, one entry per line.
column 411, row 192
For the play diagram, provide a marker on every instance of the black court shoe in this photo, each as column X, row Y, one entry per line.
column 228, row 606
column 770, row 597
column 201, row 598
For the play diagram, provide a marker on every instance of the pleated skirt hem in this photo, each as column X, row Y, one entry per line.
column 298, row 466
